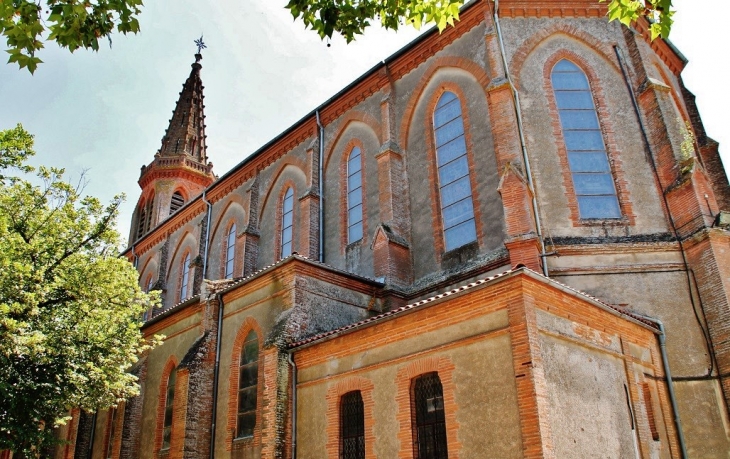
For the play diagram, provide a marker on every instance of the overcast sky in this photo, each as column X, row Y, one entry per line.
column 106, row 112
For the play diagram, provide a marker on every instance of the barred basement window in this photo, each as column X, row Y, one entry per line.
column 169, row 401
column 230, row 251
column 429, row 421
column 176, row 202
column 457, row 208
column 592, row 179
column 185, row 278
column 354, row 196
column 248, row 378
column 352, row 426
column 287, row 223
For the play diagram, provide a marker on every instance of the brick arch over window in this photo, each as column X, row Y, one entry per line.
column 236, row 203
column 403, row 380
column 169, row 367
column 433, row 172
column 249, row 325
column 608, row 134
column 351, row 117
column 298, row 166
column 178, row 199
column 600, row 47
column 344, row 193
column 470, row 67
column 333, row 399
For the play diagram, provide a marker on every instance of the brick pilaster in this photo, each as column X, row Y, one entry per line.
column 391, row 257
column 132, row 421
column 309, row 226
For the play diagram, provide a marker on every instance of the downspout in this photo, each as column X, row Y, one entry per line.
column 216, row 369
column 135, row 257
column 523, row 143
column 320, row 186
column 294, row 405
column 207, row 236
column 670, row 385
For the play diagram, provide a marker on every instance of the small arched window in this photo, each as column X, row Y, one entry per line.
column 169, row 402
column 352, row 426
column 176, row 202
column 185, row 280
column 230, row 251
column 248, row 378
column 429, row 423
column 287, row 223
column 141, row 220
column 457, row 208
column 354, row 196
column 592, row 179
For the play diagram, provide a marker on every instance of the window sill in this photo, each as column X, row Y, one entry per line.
column 620, row 221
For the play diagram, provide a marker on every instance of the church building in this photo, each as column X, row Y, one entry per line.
column 507, row 240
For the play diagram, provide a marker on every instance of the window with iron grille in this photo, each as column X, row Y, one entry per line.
column 287, row 223
column 352, row 426
column 185, row 278
column 429, row 421
column 169, row 400
column 248, row 378
column 457, row 208
column 230, row 251
column 592, row 179
column 354, row 196
column 176, row 202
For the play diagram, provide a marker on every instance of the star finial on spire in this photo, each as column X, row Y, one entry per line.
column 199, row 43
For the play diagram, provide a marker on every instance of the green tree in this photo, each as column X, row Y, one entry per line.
column 351, row 17
column 69, row 305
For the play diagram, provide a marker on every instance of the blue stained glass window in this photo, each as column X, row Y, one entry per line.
column 457, row 208
column 354, row 196
column 587, row 158
column 185, row 278
column 287, row 223
column 230, row 251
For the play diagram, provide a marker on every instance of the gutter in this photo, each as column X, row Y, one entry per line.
column 216, row 371
column 523, row 143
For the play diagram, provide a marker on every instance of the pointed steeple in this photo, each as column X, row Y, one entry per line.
column 180, row 170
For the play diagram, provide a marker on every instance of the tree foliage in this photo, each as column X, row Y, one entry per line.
column 350, row 18
column 69, row 305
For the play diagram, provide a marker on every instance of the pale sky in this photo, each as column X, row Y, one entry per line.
column 106, row 112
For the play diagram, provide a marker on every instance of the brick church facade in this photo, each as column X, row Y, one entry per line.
column 500, row 242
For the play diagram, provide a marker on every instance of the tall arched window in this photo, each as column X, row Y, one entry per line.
column 354, row 196
column 457, row 208
column 592, row 179
column 429, row 421
column 287, row 222
column 176, row 202
column 248, row 378
column 184, row 281
column 169, row 401
column 352, row 426
column 141, row 220
column 230, row 251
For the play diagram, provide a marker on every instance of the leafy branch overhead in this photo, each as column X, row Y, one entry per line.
column 72, row 24
column 350, row 18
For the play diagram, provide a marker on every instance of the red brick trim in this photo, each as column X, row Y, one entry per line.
column 461, row 63
column 295, row 162
column 436, row 221
column 169, row 367
column 333, row 398
column 112, row 415
column 231, row 417
column 278, row 216
column 609, row 139
column 72, row 431
column 349, row 118
column 343, row 193
column 404, row 398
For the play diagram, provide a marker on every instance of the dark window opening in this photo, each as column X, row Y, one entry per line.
column 176, row 202
column 352, row 426
column 429, row 419
column 248, row 378
column 170, row 399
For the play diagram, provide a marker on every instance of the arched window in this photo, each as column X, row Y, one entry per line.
column 429, row 422
column 248, row 378
column 141, row 220
column 457, row 208
column 176, row 202
column 352, row 426
column 169, row 401
column 184, row 281
column 592, row 179
column 230, row 251
column 354, row 196
column 287, row 223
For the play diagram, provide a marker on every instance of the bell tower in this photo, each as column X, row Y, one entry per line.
column 180, row 170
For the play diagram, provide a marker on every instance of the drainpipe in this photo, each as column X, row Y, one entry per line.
column 207, row 236
column 670, row 385
column 294, row 405
column 136, row 258
column 523, row 143
column 321, row 187
column 216, row 369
